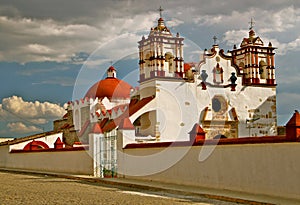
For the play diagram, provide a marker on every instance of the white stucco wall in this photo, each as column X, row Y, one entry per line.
column 77, row 162
column 269, row 169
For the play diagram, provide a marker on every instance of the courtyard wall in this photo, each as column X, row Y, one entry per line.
column 268, row 168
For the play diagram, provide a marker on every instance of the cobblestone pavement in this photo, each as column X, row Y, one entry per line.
column 42, row 189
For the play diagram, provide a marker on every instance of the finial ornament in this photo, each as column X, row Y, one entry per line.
column 160, row 11
column 215, row 40
column 252, row 23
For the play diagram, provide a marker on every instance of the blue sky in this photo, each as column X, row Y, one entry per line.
column 52, row 51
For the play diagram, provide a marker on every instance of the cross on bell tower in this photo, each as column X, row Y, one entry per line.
column 252, row 23
column 215, row 40
column 160, row 11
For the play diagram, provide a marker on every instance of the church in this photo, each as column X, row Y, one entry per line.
column 165, row 129
column 224, row 95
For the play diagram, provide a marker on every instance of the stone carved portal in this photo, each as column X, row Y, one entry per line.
column 219, row 120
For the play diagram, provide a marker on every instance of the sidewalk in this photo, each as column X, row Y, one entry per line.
column 176, row 189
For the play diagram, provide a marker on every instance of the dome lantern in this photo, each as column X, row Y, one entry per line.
column 111, row 72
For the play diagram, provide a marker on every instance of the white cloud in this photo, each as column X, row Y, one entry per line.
column 19, row 127
column 62, row 81
column 294, row 45
column 234, row 37
column 174, row 22
column 115, row 49
column 39, row 49
column 279, row 26
column 19, row 117
column 18, row 108
column 279, row 21
column 266, row 20
column 27, row 39
column 4, row 116
column 33, row 71
column 39, row 121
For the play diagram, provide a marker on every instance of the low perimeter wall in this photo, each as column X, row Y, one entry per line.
column 271, row 169
column 73, row 162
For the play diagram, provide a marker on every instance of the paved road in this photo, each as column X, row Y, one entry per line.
column 42, row 189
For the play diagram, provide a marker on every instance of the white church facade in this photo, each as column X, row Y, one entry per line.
column 228, row 95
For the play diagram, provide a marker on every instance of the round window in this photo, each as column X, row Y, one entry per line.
column 219, row 104
column 216, row 105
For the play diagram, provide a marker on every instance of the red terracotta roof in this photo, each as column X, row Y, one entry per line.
column 126, row 124
column 197, row 129
column 65, row 115
column 111, row 124
column 186, row 67
column 103, row 122
column 58, row 141
column 110, row 88
column 58, row 144
column 133, row 108
column 96, row 129
column 116, row 108
column 133, row 101
column 295, row 120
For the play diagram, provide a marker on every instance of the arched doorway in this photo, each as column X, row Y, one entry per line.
column 220, row 136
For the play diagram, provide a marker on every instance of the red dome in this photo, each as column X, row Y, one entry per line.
column 110, row 88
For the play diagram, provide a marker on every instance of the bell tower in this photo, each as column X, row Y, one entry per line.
column 161, row 53
column 255, row 60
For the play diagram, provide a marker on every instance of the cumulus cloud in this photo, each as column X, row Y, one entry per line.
column 27, row 39
column 284, row 48
column 174, row 22
column 20, row 117
column 279, row 21
column 233, row 37
column 278, row 25
column 28, row 34
column 35, row 110
column 19, row 127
